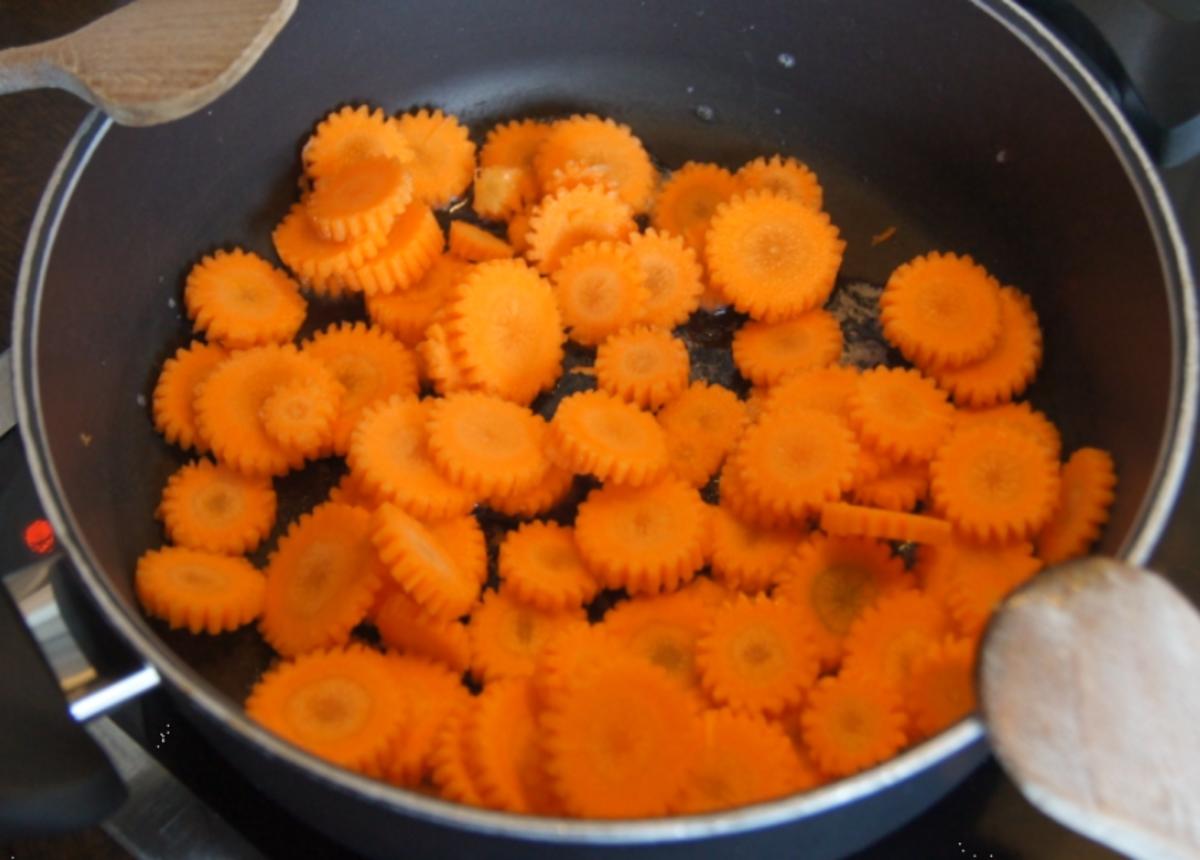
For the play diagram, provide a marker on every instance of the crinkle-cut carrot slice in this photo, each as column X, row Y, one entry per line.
column 772, row 257
column 321, row 579
column 173, row 401
column 595, row 142
column 940, row 689
column 475, row 244
column 518, row 231
column 421, row 565
column 350, row 490
column 540, row 565
column 981, row 576
column 887, row 636
column 205, row 592
column 758, row 655
column 746, row 556
column 689, row 198
column 299, row 415
column 568, row 654
column 464, row 541
column 1017, row 417
column 646, row 366
column 832, row 580
column 507, row 635
column 898, row 487
column 662, row 630
column 515, row 144
column 846, row 520
column 672, row 276
column 597, row 434
column 319, row 263
column 500, row 192
column 565, row 220
column 405, row 314
column 702, row 426
column 941, row 310
column 794, row 460
column 786, row 177
column 1005, row 371
column 404, row 626
column 210, row 507
column 994, row 484
column 239, row 299
column 901, row 413
column 341, row 705
column 229, row 404
column 852, row 722
column 349, row 135
column 371, row 366
column 621, row 741
column 541, row 498
column 361, row 199
column 486, row 444
column 767, row 352
column 503, row 743
column 407, row 252
column 827, row 389
column 1088, row 481
column 746, row 506
column 505, row 330
column 438, row 363
column 443, row 155
column 744, row 759
column 448, row 766
column 600, row 290
column 389, row 454
column 430, row 693
column 644, row 539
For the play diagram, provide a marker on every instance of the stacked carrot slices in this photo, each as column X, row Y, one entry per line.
column 690, row 596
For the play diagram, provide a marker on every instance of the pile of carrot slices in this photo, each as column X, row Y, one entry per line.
column 700, row 598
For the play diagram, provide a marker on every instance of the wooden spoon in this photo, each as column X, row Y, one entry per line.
column 1089, row 683
column 153, row 60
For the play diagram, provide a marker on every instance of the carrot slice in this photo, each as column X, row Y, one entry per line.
column 994, row 484
column 407, row 252
column 744, row 759
column 503, row 744
column 507, row 636
column 421, row 565
column 827, row 389
column 361, row 199
column 758, row 655
column 602, row 763
column 900, row 413
column 594, row 433
column 745, row 506
column 405, row 314
column 504, row 328
column 672, row 277
column 464, row 541
column 551, row 490
column 940, row 689
column 897, row 487
column 832, row 581
column 197, row 590
column 644, row 539
column 852, row 722
column 1017, row 417
column 687, row 201
column 748, row 557
column 702, row 425
column 499, row 193
column 321, row 264
column 431, row 693
column 175, row 393
column 321, row 579
column 600, row 290
column 772, row 257
column 888, row 636
column 786, row 177
column 486, row 444
column 981, row 576
column 475, row 244
column 593, row 141
column 443, row 155
column 299, row 415
column 1086, row 494
column 540, row 565
column 515, row 145
column 403, row 625
column 239, row 299
column 941, row 310
column 565, row 220
column 439, row 365
column 767, row 352
column 1006, row 370
column 448, row 766
column 209, row 507
column 350, row 134
column 341, row 705
column 662, row 630
column 646, row 366
column 839, row 518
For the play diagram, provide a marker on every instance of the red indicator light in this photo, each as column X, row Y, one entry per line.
column 39, row 536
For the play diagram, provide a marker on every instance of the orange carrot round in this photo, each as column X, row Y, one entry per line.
column 594, row 433
column 209, row 507
column 198, row 590
column 239, row 300
column 443, row 155
column 646, row 366
column 600, row 290
column 767, row 352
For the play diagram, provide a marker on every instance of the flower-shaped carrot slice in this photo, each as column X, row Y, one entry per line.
column 321, row 579
column 767, row 352
column 593, row 141
column 941, row 310
column 540, row 565
column 672, row 276
column 940, row 689
column 175, row 392
column 438, row 363
column 475, row 244
column 507, row 636
column 565, row 220
column 487, row 444
column 852, row 722
column 239, row 299
column 515, row 145
column 341, row 705
column 600, row 290
column 443, row 155
column 321, row 264
column 827, row 389
column 594, row 433
column 541, row 498
column 503, row 744
column 749, row 557
column 846, row 520
column 431, row 693
column 448, row 766
column 982, row 575
column 200, row 591
column 772, row 257
column 688, row 199
column 299, row 415
column 210, row 507
column 746, row 506
column 421, row 565
column 405, row 314
column 646, row 366
column 404, row 626
column 887, row 636
column 644, row 539
column 361, row 199
column 1086, row 494
column 350, row 134
column 407, row 252
column 896, row 487
column 786, row 177
column 702, row 425
column 1017, row 417
column 662, row 630
column 900, row 413
column 499, row 193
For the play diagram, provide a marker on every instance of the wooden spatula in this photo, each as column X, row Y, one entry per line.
column 1089, row 683
column 153, row 60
